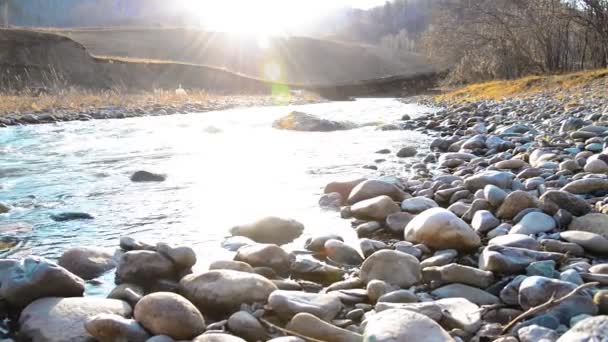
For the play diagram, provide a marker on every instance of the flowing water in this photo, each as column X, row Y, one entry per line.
column 224, row 168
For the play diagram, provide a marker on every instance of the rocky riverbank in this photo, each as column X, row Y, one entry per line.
column 499, row 234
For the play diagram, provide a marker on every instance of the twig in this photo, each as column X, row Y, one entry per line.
column 289, row 332
column 548, row 304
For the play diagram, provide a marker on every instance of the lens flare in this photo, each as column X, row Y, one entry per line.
column 272, row 71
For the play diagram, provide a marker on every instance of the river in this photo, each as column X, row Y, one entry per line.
column 223, row 168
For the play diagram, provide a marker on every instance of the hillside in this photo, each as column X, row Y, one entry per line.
column 302, row 60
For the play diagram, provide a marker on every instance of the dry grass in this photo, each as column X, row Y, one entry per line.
column 497, row 90
column 80, row 100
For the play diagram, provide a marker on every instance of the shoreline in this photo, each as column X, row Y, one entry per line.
column 510, row 201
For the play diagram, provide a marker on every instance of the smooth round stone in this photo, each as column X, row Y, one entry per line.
column 601, row 300
column 146, row 176
column 484, row 221
column 369, row 228
column 288, row 303
column 310, row 326
column 231, row 265
column 596, row 166
column 129, row 293
column 406, row 152
column 245, row 325
column 343, row 188
column 183, row 257
column 377, row 288
column 594, row 223
column 377, row 208
column 264, row 255
column 562, row 247
column 456, row 273
column 110, row 327
column 552, row 201
column 331, row 201
column 399, row 296
column 594, row 147
column 590, row 329
column 534, row 223
column 516, row 240
column 217, row 337
column 545, row 268
column 374, row 188
column 439, row 228
column 502, row 229
column 586, row 185
column 440, row 258
column 317, row 243
column 599, row 268
column 394, row 267
column 536, row 333
column 87, row 263
column 514, row 203
column 473, row 294
column 270, row 230
column 166, row 313
column 342, row 253
column 417, row 205
column 478, row 181
column 140, row 267
column 403, row 325
column 396, row 222
column 589, row 241
column 510, row 164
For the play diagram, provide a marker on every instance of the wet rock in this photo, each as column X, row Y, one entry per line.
column 71, row 216
column 165, row 313
column 223, row 291
column 341, row 253
column 439, row 228
column 245, row 325
column 22, row 282
column 343, row 188
column 183, row 257
column 514, row 203
column 54, row 319
column 473, row 294
column 406, row 152
column 403, row 325
column 270, row 230
column 375, row 188
column 264, row 255
column 545, row 268
column 416, row 205
column 287, row 304
column 591, row 242
column 308, row 325
column 298, row 121
column 456, row 273
column 110, row 328
column 140, row 267
column 484, row 221
column 593, row 223
column 130, row 244
column 553, row 200
column 129, row 293
column 87, row 263
column 394, row 267
column 510, row 260
column 377, row 208
column 145, row 176
column 590, row 329
column 534, row 223
column 586, row 185
column 332, row 201
column 231, row 265
column 478, row 181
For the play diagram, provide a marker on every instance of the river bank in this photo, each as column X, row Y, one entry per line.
column 503, row 213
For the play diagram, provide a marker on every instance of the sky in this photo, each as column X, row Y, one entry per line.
column 266, row 17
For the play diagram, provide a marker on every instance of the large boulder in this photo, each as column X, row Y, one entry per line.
column 374, row 188
column 270, row 230
column 377, row 208
column 264, row 255
column 87, row 263
column 396, row 325
column 223, row 291
column 142, row 267
column 439, row 228
column 289, row 303
column 166, row 313
column 393, row 267
column 54, row 319
column 593, row 223
column 31, row 278
column 478, row 181
column 298, row 121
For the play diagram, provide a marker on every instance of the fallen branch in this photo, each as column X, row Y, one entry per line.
column 545, row 306
column 289, row 332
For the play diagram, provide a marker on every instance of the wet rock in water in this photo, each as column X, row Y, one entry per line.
column 589, row 329
column 534, row 223
column 403, row 325
column 331, row 201
column 231, row 265
column 287, row 304
column 484, row 221
column 317, row 243
column 183, row 257
column 165, row 313
column 309, row 325
column 87, row 263
column 71, row 216
column 396, row 222
column 500, row 179
column 270, row 230
column 514, row 203
column 473, row 294
column 591, row 242
column 394, row 267
column 54, row 319
column 552, row 201
column 223, row 291
column 439, row 228
column 245, row 325
column 343, row 188
column 406, row 152
column 128, row 243
column 456, row 273
column 377, row 208
column 145, row 176
column 264, row 255
column 593, row 223
column 375, row 188
column 110, row 327
column 586, row 185
column 129, row 293
column 416, row 205
column 142, row 267
column 31, row 278
column 511, row 260
column 341, row 253
column 537, row 290
column 4, row 208
column 298, row 121
column 217, row 337
column 233, row 243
